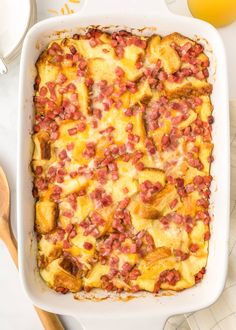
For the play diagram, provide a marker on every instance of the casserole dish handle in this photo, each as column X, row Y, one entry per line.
column 136, row 7
column 127, row 323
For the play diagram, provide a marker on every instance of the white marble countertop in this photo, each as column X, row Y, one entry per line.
column 16, row 311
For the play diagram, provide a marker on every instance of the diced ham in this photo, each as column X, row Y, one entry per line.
column 68, row 214
column 169, row 276
column 90, row 150
column 93, row 42
column 61, row 78
column 88, row 245
column 56, row 47
column 101, row 198
column 207, row 236
column 194, row 247
column 73, row 174
column 180, row 254
column 38, row 170
column 200, row 75
column 73, row 131
column 57, row 189
column 70, row 146
column 210, row 119
column 43, row 91
column 81, row 126
column 124, row 203
column 173, row 203
column 165, row 140
column 189, row 188
column 66, row 244
column 119, row 72
column 51, row 87
column 199, row 275
column 139, row 166
column 62, row 154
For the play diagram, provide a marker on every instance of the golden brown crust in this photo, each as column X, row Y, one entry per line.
column 145, row 211
column 42, row 146
column 121, row 162
column 189, row 90
column 156, row 255
column 46, row 216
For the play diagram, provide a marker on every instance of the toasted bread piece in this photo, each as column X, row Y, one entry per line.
column 84, row 206
column 78, row 151
column 160, row 49
column 83, row 97
column 93, row 278
column 117, row 188
column 205, row 109
column 143, row 94
column 191, row 118
column 162, row 199
column 178, row 39
column 57, row 277
column 47, row 70
column 70, row 186
column 152, row 48
column 42, row 146
column 104, row 51
column 153, row 257
column 48, row 251
column 128, row 62
column 205, row 155
column 65, row 280
column 119, row 121
column 100, row 69
column 189, row 204
column 144, row 210
column 46, row 216
column 189, row 86
column 153, row 175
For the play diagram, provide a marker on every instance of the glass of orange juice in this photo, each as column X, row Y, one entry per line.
column 216, row 12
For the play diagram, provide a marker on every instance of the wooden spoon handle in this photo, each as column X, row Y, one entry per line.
column 49, row 321
column 11, row 246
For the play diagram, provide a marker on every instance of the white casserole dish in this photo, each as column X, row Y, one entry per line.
column 147, row 312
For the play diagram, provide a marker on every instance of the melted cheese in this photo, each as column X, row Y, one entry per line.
column 119, row 199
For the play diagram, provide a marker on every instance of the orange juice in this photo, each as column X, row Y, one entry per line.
column 216, row 12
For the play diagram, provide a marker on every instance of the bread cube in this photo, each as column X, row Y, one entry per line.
column 46, row 216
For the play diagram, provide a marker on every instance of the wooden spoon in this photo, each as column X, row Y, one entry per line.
column 49, row 321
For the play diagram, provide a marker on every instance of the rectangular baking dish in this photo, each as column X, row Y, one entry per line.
column 145, row 312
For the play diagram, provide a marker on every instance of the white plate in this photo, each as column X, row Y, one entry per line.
column 16, row 17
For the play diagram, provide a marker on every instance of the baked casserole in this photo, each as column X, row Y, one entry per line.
column 121, row 162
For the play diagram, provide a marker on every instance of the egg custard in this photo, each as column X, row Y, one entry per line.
column 121, row 162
